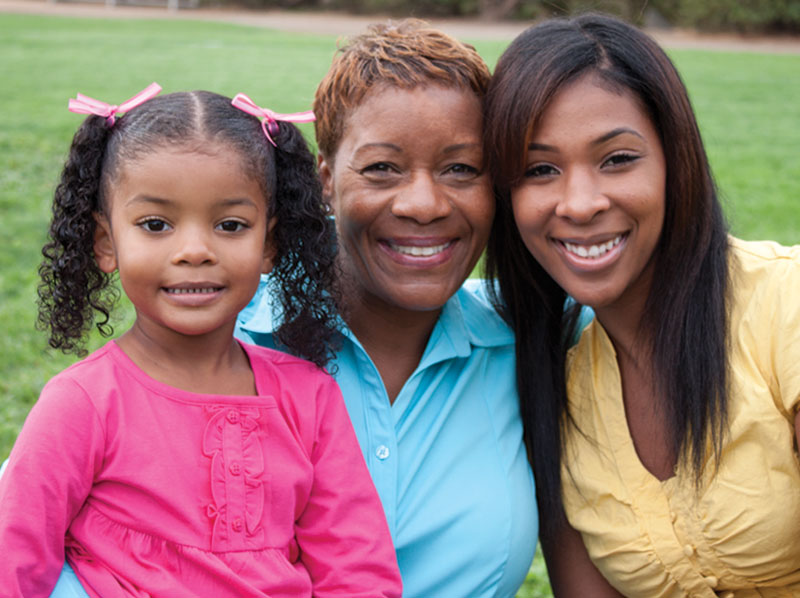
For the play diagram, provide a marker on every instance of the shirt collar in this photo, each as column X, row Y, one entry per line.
column 467, row 320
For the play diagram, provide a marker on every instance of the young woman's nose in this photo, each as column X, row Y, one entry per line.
column 194, row 247
column 422, row 199
column 582, row 199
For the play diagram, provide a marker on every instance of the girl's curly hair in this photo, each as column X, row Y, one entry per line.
column 73, row 287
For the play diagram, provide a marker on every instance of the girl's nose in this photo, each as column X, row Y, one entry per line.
column 422, row 200
column 194, row 248
column 582, row 198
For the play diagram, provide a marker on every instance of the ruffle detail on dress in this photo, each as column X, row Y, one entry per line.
column 132, row 562
column 233, row 441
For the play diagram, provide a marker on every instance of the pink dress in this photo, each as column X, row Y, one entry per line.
column 161, row 492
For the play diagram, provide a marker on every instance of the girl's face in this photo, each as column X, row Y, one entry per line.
column 590, row 207
column 188, row 233
column 412, row 200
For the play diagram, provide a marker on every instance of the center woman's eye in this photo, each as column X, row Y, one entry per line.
column 378, row 168
column 462, row 169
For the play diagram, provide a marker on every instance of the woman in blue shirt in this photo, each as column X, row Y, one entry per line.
column 426, row 367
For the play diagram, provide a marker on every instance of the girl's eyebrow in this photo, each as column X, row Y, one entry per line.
column 147, row 199
column 234, row 201
column 237, row 201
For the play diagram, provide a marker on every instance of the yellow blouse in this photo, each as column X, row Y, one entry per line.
column 739, row 535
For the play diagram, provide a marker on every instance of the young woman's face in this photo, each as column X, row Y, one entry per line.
column 412, row 201
column 590, row 207
column 187, row 232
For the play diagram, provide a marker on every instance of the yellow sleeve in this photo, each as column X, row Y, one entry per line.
column 786, row 343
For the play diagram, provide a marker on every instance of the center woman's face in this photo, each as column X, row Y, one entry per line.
column 412, row 200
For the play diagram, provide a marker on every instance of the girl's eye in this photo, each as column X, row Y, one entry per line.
column 540, row 170
column 620, row 159
column 154, row 225
column 231, row 226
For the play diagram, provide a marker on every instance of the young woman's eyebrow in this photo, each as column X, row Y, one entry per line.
column 616, row 133
column 542, row 147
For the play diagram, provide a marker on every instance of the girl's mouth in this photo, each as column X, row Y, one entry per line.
column 183, row 291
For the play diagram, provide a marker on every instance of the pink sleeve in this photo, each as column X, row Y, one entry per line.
column 343, row 535
column 48, row 478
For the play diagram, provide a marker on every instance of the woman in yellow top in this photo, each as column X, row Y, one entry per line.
column 664, row 442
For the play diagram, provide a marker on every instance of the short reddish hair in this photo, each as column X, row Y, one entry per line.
column 403, row 54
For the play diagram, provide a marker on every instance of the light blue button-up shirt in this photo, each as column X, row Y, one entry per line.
column 447, row 457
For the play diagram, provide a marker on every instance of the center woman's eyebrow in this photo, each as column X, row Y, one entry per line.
column 457, row 147
column 378, row 145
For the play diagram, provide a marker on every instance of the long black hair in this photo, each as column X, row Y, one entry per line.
column 73, row 289
column 685, row 318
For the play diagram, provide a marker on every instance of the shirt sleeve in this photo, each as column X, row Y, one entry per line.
column 343, row 535
column 49, row 475
column 786, row 347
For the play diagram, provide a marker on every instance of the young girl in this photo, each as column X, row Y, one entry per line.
column 175, row 461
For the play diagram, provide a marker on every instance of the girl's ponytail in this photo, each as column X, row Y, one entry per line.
column 303, row 276
column 72, row 286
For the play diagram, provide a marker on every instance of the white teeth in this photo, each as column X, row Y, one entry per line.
column 418, row 251
column 593, row 251
column 190, row 291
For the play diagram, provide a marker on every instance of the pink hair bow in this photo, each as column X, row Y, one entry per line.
column 86, row 105
column 270, row 118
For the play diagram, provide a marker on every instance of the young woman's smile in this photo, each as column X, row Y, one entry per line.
column 590, row 207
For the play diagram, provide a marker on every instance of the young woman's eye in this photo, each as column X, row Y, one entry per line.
column 620, row 159
column 231, row 226
column 154, row 225
column 540, row 170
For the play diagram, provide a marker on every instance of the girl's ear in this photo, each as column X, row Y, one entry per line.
column 326, row 177
column 104, row 253
column 270, row 248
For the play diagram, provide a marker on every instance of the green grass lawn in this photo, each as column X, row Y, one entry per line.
column 746, row 103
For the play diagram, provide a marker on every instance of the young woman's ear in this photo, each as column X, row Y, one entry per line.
column 270, row 248
column 104, row 253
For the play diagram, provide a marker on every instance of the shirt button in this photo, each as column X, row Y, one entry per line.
column 711, row 581
column 673, row 516
column 233, row 416
column 236, row 524
column 382, row 452
column 688, row 550
column 235, row 468
column 727, row 595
